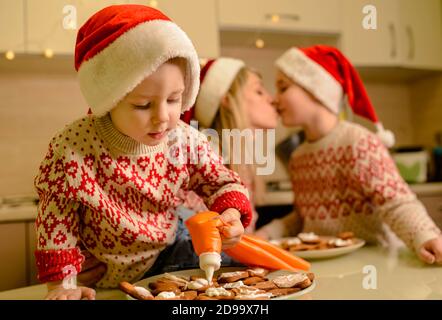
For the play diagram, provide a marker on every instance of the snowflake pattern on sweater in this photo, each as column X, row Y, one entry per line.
column 116, row 197
column 348, row 181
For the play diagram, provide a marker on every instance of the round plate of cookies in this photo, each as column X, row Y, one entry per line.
column 229, row 283
column 309, row 245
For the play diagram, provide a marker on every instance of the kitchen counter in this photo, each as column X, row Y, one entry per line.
column 286, row 197
column 390, row 275
column 18, row 214
column 29, row 212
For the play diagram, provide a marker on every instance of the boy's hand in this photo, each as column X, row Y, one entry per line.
column 92, row 270
column 261, row 233
column 60, row 293
column 431, row 251
column 232, row 228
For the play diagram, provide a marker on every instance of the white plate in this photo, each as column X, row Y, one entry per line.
column 324, row 253
column 198, row 272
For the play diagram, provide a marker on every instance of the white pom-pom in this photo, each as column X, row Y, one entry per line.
column 386, row 136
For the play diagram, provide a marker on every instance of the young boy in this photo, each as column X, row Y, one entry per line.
column 109, row 180
column 343, row 176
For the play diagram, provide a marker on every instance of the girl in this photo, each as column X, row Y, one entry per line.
column 343, row 176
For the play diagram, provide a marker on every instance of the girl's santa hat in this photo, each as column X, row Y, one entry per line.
column 121, row 45
column 216, row 79
column 328, row 75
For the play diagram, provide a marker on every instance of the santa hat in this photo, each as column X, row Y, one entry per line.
column 216, row 79
column 328, row 75
column 121, row 45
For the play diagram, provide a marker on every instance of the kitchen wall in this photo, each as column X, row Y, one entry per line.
column 37, row 98
column 426, row 102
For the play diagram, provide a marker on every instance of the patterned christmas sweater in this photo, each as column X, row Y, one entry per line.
column 347, row 181
column 116, row 197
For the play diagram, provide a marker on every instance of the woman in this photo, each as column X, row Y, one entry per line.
column 232, row 96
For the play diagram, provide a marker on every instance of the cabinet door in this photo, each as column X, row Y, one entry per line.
column 11, row 26
column 48, row 26
column 371, row 47
column 433, row 204
column 421, row 33
column 13, row 266
column 322, row 16
column 53, row 24
column 198, row 19
column 31, row 246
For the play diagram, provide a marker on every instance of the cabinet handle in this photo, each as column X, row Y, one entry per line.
column 410, row 36
column 283, row 16
column 393, row 49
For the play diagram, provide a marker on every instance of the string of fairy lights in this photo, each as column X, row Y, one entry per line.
column 47, row 52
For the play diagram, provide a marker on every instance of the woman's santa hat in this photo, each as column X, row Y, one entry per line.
column 216, row 79
column 328, row 75
column 121, row 45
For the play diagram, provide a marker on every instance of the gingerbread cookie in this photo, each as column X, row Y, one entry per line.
column 138, row 293
column 346, row 235
column 232, row 276
column 257, row 272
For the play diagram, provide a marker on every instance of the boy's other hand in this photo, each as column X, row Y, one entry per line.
column 431, row 251
column 92, row 270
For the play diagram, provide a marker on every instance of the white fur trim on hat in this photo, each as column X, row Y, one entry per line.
column 386, row 136
column 215, row 85
column 312, row 77
column 107, row 77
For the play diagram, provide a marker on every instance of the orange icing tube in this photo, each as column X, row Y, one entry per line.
column 254, row 251
column 206, row 240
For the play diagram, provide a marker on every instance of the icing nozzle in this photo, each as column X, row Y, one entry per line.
column 210, row 262
column 210, row 270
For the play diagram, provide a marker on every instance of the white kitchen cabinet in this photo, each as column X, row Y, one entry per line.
column 12, row 26
column 408, row 34
column 31, row 246
column 53, row 24
column 421, row 33
column 310, row 16
column 13, row 266
column 45, row 29
column 49, row 27
column 198, row 18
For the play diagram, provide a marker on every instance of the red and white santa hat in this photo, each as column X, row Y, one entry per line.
column 121, row 45
column 328, row 75
column 216, row 78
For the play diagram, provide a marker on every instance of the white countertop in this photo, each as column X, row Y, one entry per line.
column 398, row 276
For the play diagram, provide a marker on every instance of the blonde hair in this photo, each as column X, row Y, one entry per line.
column 235, row 117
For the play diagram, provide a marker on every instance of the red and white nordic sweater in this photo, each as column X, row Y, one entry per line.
column 347, row 181
column 116, row 197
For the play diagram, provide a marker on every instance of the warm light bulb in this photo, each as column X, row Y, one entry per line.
column 275, row 18
column 259, row 43
column 48, row 53
column 10, row 55
column 153, row 3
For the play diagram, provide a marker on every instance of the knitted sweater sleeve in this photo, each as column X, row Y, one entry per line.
column 57, row 224
column 382, row 185
column 219, row 187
